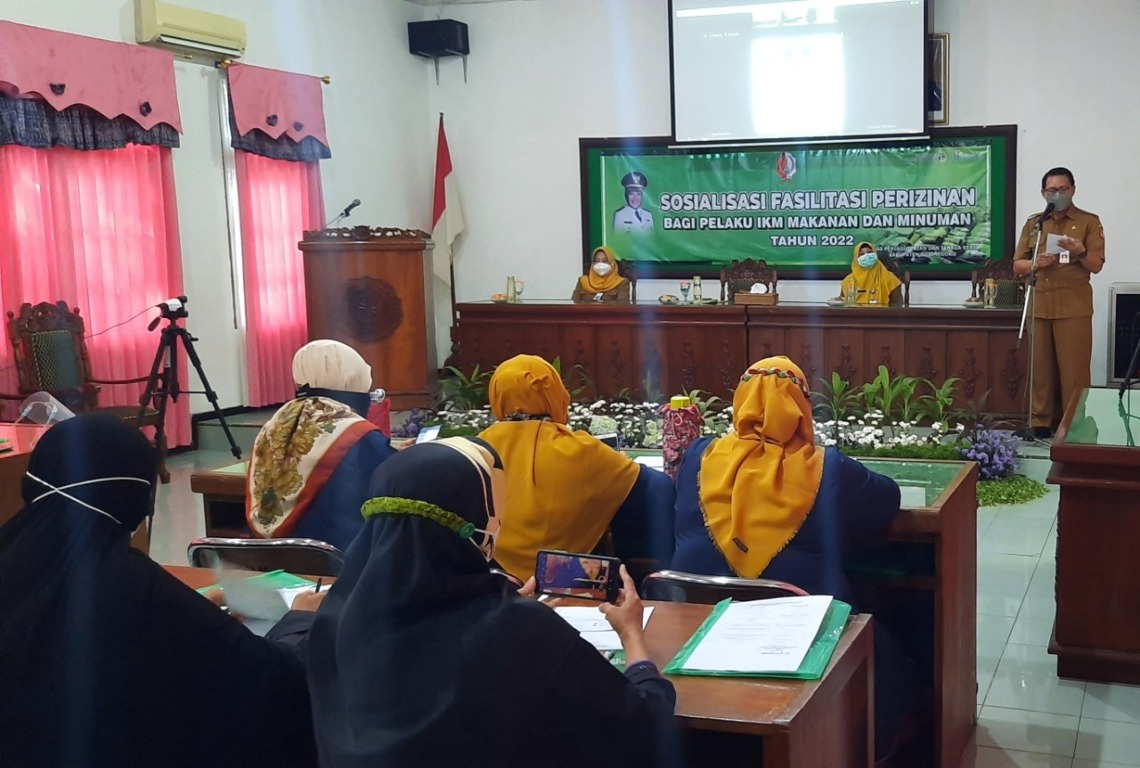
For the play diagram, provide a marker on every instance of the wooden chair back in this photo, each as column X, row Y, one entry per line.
column 739, row 277
column 1010, row 286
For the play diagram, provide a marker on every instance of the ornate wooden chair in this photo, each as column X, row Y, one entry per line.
column 627, row 270
column 51, row 356
column 1010, row 286
column 739, row 276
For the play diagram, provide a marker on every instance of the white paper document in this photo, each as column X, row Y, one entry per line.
column 761, row 635
column 594, row 628
column 261, row 605
column 1053, row 244
column 657, row 461
column 912, row 496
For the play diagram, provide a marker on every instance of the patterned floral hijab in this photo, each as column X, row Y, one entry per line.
column 298, row 449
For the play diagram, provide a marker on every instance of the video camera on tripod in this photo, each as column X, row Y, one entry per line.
column 162, row 383
column 171, row 309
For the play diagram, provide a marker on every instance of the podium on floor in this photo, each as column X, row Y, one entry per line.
column 370, row 287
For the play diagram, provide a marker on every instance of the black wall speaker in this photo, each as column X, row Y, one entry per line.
column 442, row 37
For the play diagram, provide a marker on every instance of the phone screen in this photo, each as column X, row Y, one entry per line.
column 427, row 434
column 570, row 575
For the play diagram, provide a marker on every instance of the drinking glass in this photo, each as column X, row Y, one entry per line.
column 685, row 286
column 519, row 285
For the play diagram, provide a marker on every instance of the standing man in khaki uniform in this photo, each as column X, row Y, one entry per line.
column 1062, row 305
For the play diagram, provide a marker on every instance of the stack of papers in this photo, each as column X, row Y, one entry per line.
column 783, row 637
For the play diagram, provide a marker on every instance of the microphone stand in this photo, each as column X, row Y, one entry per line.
column 343, row 215
column 1030, row 283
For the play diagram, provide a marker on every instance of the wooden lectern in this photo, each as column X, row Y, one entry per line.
column 370, row 287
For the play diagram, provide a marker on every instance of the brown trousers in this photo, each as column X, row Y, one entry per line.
column 1062, row 357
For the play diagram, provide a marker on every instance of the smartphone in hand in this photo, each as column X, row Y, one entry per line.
column 567, row 574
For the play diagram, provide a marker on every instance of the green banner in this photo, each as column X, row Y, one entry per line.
column 936, row 206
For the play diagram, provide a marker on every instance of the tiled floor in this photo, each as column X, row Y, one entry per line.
column 1027, row 716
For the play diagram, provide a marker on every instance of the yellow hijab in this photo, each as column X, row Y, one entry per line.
column 756, row 486
column 878, row 279
column 563, row 487
column 591, row 283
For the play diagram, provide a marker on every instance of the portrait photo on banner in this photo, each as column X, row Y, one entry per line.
column 938, row 78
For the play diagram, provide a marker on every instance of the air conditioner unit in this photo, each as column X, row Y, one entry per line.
column 188, row 30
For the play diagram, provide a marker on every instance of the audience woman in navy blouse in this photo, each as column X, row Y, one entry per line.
column 767, row 502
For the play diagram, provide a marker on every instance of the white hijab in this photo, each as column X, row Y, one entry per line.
column 328, row 364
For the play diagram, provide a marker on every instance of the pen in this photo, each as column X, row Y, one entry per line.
column 317, row 588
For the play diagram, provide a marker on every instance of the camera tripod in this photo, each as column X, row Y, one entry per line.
column 162, row 382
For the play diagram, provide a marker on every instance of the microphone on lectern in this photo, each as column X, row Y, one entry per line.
column 1045, row 214
column 345, row 213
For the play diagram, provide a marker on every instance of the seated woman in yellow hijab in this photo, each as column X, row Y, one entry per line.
column 602, row 284
column 873, row 283
column 765, row 501
column 566, row 488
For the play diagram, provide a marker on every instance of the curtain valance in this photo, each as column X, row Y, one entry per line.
column 114, row 80
column 277, row 114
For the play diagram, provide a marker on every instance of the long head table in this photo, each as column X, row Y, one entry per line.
column 672, row 348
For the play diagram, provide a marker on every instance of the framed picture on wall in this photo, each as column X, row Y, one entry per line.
column 938, row 78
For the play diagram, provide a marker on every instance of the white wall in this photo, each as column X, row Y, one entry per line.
column 376, row 108
column 543, row 73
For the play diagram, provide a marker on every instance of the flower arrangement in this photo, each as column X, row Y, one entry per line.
column 994, row 450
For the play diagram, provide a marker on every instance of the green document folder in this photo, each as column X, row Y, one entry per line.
column 812, row 667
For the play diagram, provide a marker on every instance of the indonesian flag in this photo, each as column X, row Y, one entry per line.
column 446, row 215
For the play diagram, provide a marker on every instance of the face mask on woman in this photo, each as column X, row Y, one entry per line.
column 602, row 268
column 867, row 260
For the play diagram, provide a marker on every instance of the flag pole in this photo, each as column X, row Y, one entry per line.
column 453, row 357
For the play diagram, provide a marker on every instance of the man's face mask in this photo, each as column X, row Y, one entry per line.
column 602, row 268
column 1060, row 200
column 868, row 260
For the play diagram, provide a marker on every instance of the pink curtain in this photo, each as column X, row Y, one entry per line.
column 278, row 200
column 98, row 230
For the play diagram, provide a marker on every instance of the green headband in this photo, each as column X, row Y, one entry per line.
column 395, row 505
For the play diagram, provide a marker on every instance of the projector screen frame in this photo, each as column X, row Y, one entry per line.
column 1006, row 174
column 926, row 121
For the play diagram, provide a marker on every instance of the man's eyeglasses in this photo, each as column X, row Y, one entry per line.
column 1057, row 190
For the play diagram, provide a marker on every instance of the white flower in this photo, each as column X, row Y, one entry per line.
column 961, row 427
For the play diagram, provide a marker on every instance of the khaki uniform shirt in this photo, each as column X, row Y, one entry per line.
column 1062, row 290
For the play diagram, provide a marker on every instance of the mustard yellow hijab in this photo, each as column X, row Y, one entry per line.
column 756, row 486
column 878, row 278
column 563, row 487
column 591, row 283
